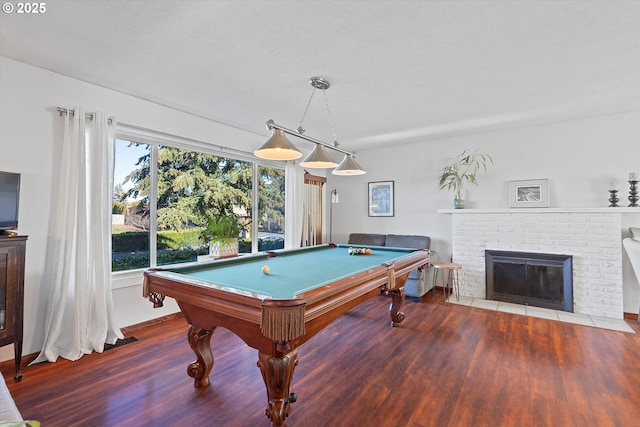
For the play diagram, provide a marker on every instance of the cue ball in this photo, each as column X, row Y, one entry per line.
column 266, row 269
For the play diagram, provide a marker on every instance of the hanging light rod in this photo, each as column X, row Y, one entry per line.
column 271, row 125
column 347, row 167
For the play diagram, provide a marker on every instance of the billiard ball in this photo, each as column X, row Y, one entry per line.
column 266, row 269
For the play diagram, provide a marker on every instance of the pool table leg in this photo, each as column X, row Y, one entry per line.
column 397, row 298
column 200, row 342
column 277, row 373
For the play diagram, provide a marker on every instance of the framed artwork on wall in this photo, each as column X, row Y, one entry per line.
column 531, row 193
column 381, row 198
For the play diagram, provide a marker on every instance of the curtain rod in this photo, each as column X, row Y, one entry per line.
column 71, row 111
column 246, row 154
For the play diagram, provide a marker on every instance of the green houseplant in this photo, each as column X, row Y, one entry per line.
column 461, row 171
column 222, row 232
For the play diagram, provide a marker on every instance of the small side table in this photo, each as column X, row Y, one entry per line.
column 450, row 271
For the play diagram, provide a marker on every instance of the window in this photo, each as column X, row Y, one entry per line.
column 271, row 208
column 164, row 195
column 130, row 214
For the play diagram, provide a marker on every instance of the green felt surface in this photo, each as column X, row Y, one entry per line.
column 292, row 272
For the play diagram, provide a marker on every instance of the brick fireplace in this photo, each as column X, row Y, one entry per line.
column 591, row 236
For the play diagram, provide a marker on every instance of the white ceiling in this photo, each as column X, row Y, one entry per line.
column 400, row 71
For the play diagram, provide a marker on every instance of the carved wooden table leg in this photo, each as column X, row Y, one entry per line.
column 200, row 342
column 157, row 299
column 277, row 373
column 397, row 298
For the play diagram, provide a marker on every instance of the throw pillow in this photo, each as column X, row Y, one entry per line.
column 635, row 233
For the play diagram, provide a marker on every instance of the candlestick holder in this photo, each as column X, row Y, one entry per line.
column 613, row 199
column 633, row 194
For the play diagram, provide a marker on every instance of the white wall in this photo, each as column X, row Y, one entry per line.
column 578, row 157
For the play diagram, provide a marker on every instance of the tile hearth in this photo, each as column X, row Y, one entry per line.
column 544, row 313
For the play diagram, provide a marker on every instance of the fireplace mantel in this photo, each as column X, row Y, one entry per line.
column 540, row 210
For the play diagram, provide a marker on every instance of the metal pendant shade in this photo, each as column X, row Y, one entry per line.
column 318, row 158
column 348, row 166
column 278, row 147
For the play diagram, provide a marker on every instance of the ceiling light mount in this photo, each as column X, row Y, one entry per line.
column 320, row 83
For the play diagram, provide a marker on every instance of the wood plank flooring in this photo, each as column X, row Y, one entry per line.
column 447, row 365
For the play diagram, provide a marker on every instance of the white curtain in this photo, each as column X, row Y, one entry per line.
column 312, row 210
column 80, row 317
column 294, row 196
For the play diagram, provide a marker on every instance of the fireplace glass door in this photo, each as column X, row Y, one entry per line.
column 542, row 280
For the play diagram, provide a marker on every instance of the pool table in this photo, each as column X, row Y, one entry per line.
column 280, row 309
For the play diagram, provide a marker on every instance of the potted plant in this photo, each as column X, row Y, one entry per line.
column 461, row 171
column 222, row 231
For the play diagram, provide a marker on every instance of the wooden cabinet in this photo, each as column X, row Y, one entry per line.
column 12, row 249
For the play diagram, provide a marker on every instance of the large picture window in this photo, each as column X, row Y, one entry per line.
column 164, row 197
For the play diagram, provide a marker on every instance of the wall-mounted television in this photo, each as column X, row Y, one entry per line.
column 9, row 200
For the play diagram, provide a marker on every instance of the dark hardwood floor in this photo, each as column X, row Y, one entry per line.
column 445, row 366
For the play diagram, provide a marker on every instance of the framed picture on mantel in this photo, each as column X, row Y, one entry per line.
column 531, row 193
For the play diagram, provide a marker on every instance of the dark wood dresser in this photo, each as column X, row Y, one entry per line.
column 12, row 255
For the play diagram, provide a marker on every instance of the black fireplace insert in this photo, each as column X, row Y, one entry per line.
column 537, row 279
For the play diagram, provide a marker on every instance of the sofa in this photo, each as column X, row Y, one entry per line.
column 8, row 409
column 418, row 283
column 632, row 247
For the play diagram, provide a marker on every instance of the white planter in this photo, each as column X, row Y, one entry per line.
column 223, row 249
column 117, row 219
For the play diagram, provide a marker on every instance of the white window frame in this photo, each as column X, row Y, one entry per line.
column 123, row 279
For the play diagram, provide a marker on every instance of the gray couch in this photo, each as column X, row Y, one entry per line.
column 418, row 283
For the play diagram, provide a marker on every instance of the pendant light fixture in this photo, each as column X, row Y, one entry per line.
column 348, row 166
column 318, row 158
column 278, row 147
